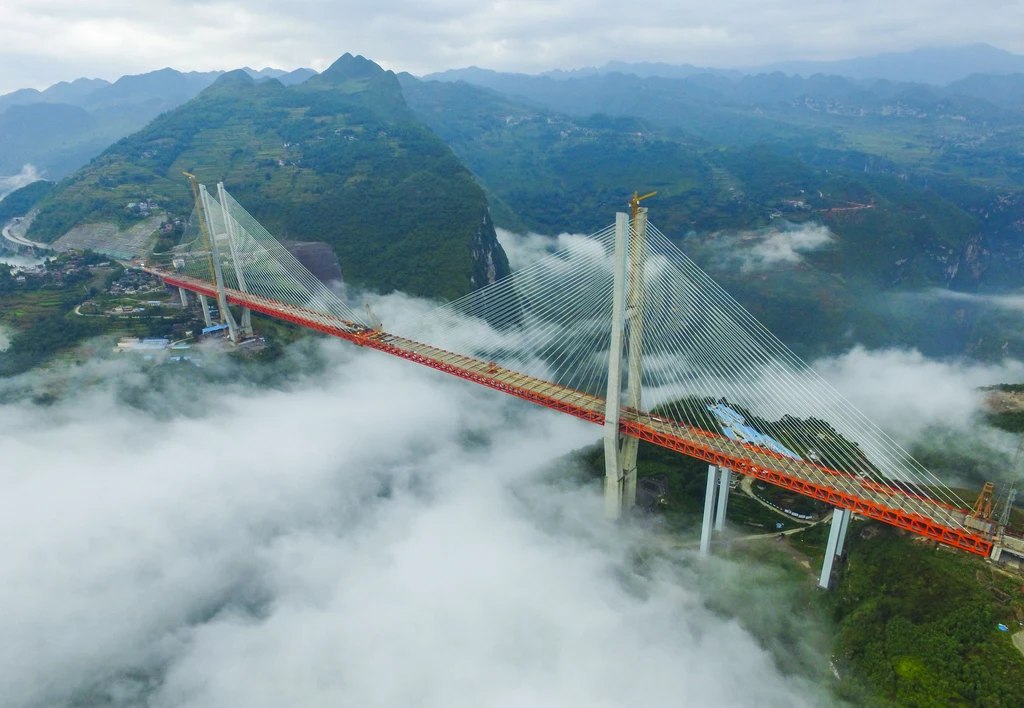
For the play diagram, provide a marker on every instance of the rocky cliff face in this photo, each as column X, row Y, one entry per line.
column 489, row 260
column 318, row 258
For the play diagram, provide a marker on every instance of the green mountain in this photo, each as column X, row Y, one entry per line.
column 772, row 220
column 339, row 158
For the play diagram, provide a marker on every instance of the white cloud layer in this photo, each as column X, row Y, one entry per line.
column 373, row 535
column 43, row 41
column 28, row 175
column 905, row 393
column 1013, row 302
column 768, row 248
column 524, row 249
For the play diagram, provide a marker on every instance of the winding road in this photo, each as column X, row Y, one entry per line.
column 20, row 240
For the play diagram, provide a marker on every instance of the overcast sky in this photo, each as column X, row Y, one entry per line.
column 44, row 41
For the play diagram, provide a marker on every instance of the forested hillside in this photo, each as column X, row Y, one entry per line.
column 812, row 239
column 338, row 158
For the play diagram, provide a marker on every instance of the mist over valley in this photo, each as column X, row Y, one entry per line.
column 207, row 498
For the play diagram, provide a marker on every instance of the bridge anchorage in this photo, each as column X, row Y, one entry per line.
column 622, row 330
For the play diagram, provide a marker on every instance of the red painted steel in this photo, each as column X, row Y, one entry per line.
column 486, row 376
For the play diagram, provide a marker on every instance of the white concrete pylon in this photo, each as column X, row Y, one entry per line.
column 229, row 226
column 222, row 297
column 613, row 482
column 634, row 317
column 183, row 294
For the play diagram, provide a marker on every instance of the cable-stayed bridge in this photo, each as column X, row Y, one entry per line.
column 619, row 329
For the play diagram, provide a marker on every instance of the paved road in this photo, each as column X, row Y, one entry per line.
column 747, row 487
column 18, row 239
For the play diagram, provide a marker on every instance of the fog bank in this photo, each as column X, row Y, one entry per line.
column 370, row 533
column 28, row 175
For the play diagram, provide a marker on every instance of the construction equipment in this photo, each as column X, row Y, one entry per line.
column 374, row 322
column 634, row 203
column 983, row 507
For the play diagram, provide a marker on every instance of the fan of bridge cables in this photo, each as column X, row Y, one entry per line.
column 706, row 361
column 252, row 260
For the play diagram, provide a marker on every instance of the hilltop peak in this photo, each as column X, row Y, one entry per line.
column 353, row 67
column 238, row 77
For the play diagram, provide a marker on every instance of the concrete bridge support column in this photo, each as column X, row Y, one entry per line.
column 724, row 476
column 206, row 310
column 841, row 544
column 183, row 293
column 709, row 511
column 840, row 518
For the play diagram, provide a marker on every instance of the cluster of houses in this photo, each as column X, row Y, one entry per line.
column 143, row 207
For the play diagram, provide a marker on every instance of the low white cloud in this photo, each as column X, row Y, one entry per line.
column 1005, row 301
column 524, row 249
column 28, row 175
column 366, row 533
column 787, row 245
column 906, row 393
column 768, row 248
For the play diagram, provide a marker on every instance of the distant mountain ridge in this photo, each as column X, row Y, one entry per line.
column 60, row 128
column 929, row 65
column 932, row 66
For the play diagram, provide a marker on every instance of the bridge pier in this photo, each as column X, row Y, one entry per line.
column 183, row 293
column 206, row 310
column 714, row 513
column 724, row 476
column 834, row 548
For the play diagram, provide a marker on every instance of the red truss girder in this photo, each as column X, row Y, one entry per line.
column 914, row 523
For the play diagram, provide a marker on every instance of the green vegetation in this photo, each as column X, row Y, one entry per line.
column 914, row 624
column 49, row 334
column 339, row 158
column 20, row 201
column 729, row 181
column 1011, row 421
column 917, row 625
column 38, row 310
